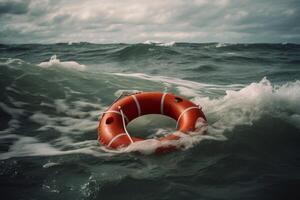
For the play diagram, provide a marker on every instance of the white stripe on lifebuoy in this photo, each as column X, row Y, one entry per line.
column 162, row 103
column 187, row 109
column 137, row 104
column 116, row 137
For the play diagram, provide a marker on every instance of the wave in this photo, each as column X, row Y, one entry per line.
column 150, row 145
column 203, row 68
column 54, row 62
column 219, row 45
column 13, row 115
column 142, row 52
column 26, row 146
column 185, row 87
column 9, row 61
column 70, row 119
column 74, row 120
column 162, row 44
column 244, row 106
column 236, row 108
column 240, row 107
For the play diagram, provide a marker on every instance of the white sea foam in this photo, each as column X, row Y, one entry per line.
column 150, row 145
column 69, row 125
column 50, row 164
column 12, row 89
column 167, row 44
column 15, row 113
column 243, row 107
column 151, row 42
column 185, row 87
column 13, row 124
column 28, row 146
column 120, row 92
column 54, row 62
column 77, row 108
column 73, row 117
column 8, row 61
column 158, row 43
column 221, row 45
column 16, row 103
column 188, row 92
column 163, row 79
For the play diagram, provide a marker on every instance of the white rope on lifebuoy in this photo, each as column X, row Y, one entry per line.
column 124, row 125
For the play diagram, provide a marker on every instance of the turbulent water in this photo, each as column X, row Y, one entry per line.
column 52, row 96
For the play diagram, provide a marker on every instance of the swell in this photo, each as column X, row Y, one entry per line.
column 204, row 68
column 142, row 51
column 60, row 113
column 163, row 52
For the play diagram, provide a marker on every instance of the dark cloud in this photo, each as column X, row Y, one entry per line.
column 60, row 18
column 130, row 21
column 14, row 7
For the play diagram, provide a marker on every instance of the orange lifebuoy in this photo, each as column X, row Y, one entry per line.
column 112, row 131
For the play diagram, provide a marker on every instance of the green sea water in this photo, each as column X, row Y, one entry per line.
column 52, row 96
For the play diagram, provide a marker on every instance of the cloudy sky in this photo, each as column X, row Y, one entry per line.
column 131, row 21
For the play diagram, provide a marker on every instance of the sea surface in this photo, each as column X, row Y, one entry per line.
column 52, row 96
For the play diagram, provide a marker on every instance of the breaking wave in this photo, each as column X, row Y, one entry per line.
column 241, row 105
column 55, row 62
column 162, row 44
column 238, row 107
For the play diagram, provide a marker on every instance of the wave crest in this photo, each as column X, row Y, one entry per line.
column 244, row 106
column 54, row 62
column 162, row 44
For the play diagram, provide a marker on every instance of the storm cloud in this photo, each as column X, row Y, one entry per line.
column 13, row 7
column 131, row 21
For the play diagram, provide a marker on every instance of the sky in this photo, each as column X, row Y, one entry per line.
column 134, row 21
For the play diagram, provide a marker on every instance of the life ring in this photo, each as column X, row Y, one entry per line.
column 112, row 131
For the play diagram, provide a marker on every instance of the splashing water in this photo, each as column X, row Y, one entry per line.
column 54, row 62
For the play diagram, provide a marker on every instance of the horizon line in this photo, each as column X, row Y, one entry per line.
column 148, row 42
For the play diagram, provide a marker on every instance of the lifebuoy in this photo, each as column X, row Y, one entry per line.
column 112, row 131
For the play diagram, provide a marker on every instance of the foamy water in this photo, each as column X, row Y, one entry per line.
column 55, row 62
column 237, row 107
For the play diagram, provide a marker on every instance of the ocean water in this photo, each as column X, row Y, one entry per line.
column 53, row 94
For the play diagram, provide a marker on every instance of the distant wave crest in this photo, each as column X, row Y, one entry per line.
column 162, row 44
column 55, row 62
